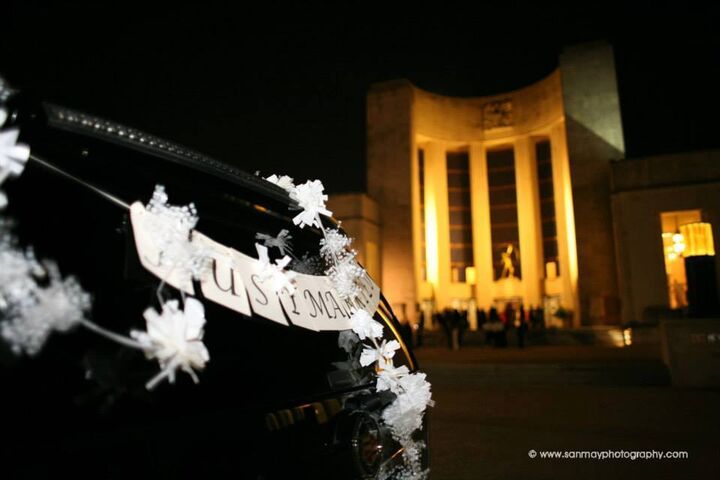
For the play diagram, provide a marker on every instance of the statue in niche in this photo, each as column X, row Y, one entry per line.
column 497, row 114
column 508, row 259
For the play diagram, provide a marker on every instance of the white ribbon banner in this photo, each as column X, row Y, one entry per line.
column 234, row 282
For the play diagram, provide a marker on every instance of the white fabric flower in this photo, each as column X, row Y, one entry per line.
column 35, row 312
column 13, row 157
column 405, row 414
column 362, row 323
column 382, row 355
column 344, row 275
column 282, row 181
column 18, row 268
column 174, row 338
column 388, row 378
column 334, row 245
column 281, row 241
column 170, row 227
column 312, row 200
column 344, row 271
column 274, row 274
column 417, row 389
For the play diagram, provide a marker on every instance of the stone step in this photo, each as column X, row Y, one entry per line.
column 607, row 336
column 643, row 373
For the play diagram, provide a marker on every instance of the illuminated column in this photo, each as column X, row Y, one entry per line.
column 389, row 180
column 482, row 243
column 418, row 224
column 528, row 221
column 565, row 220
column 437, row 222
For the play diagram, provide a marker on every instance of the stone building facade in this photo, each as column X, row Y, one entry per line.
column 501, row 199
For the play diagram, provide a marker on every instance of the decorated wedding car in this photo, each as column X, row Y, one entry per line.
column 166, row 315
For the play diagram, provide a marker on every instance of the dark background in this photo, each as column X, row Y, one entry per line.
column 282, row 89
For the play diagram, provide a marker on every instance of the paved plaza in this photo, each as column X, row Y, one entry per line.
column 494, row 406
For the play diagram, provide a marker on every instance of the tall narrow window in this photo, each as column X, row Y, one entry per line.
column 543, row 157
column 503, row 213
column 421, row 180
column 461, row 240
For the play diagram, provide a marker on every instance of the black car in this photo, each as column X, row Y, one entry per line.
column 275, row 401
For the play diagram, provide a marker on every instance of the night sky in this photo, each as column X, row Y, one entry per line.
column 283, row 89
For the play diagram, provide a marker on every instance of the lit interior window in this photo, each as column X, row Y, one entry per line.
column 674, row 248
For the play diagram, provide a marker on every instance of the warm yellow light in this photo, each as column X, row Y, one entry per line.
column 470, row 277
column 698, row 239
column 627, row 336
column 679, row 247
column 431, row 238
column 572, row 259
column 672, row 256
column 551, row 270
column 617, row 337
column 677, row 238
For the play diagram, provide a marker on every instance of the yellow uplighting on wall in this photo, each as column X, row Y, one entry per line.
column 470, row 275
column 431, row 239
column 570, row 235
column 551, row 270
column 697, row 239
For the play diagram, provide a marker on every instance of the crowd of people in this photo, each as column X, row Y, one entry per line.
column 494, row 323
